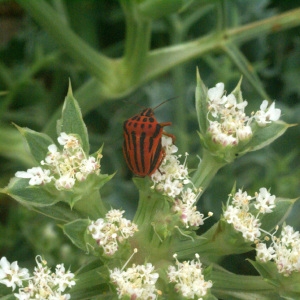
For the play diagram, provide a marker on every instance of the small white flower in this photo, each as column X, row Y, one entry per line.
column 42, row 285
column 12, row 275
column 172, row 179
column 244, row 133
column 231, row 214
column 63, row 279
column 264, row 201
column 64, row 167
column 249, row 226
column 215, row 95
column 37, row 175
column 228, row 123
column 68, row 140
column 241, row 199
column 89, row 165
column 225, row 139
column 241, row 106
column 65, row 182
column 115, row 215
column 289, row 236
column 137, row 282
column 23, row 295
column 284, row 251
column 233, row 106
column 171, row 176
column 265, row 116
column 239, row 215
column 216, row 92
column 188, row 278
column 52, row 156
column 196, row 218
column 263, row 253
column 167, row 143
column 127, row 229
column 111, row 231
column 187, row 210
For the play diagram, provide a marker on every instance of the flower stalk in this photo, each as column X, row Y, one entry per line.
column 207, row 169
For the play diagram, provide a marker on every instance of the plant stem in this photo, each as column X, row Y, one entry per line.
column 138, row 35
column 46, row 16
column 161, row 60
column 206, row 171
column 152, row 217
column 178, row 77
column 231, row 286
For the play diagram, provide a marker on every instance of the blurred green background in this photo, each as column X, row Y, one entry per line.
column 34, row 75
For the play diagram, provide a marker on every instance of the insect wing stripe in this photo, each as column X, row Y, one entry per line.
column 127, row 158
column 142, row 152
column 127, row 145
column 156, row 159
column 158, row 131
column 134, row 147
column 150, row 146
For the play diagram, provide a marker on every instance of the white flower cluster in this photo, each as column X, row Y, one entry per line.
column 42, row 285
column 228, row 122
column 284, row 251
column 242, row 219
column 137, row 282
column 112, row 231
column 12, row 275
column 172, row 179
column 188, row 278
column 63, row 167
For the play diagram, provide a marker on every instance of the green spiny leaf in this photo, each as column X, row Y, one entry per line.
column 72, row 121
column 38, row 142
column 60, row 212
column 77, row 232
column 19, row 189
column 279, row 214
column 287, row 286
column 264, row 136
column 201, row 104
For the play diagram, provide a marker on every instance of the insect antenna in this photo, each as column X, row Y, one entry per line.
column 157, row 106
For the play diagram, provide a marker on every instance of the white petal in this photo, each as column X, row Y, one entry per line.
column 216, row 92
column 22, row 174
column 264, row 105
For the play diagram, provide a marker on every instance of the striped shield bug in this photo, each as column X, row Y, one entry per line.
column 142, row 147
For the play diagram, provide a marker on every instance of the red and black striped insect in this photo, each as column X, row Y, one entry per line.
column 142, row 146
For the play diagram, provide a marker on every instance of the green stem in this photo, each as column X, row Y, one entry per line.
column 46, row 16
column 227, row 285
column 138, row 35
column 206, row 171
column 149, row 204
column 152, row 217
column 161, row 60
column 178, row 76
column 219, row 241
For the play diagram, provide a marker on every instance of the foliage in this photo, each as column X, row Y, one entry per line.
column 121, row 54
